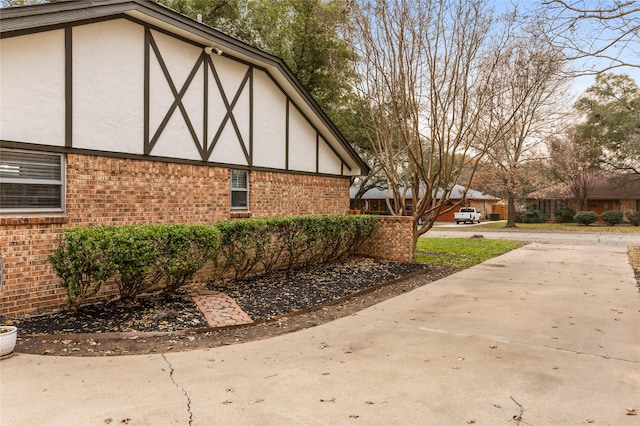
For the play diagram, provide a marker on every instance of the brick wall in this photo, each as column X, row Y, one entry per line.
column 628, row 206
column 29, row 283
column 103, row 190
column 393, row 240
column 277, row 194
column 111, row 191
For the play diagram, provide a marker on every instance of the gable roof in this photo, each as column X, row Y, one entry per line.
column 456, row 193
column 44, row 17
column 605, row 188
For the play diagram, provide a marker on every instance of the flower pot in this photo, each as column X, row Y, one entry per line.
column 8, row 338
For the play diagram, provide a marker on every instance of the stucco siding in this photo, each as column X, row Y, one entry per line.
column 32, row 88
column 269, row 123
column 108, row 76
column 328, row 161
column 302, row 142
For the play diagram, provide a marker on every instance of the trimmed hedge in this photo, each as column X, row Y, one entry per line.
column 612, row 217
column 136, row 257
column 142, row 257
column 252, row 246
column 565, row 215
column 586, row 217
column 634, row 218
column 82, row 262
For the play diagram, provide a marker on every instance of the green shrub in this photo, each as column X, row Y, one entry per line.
column 183, row 250
column 585, row 217
column 564, row 215
column 82, row 263
column 243, row 246
column 134, row 251
column 634, row 218
column 141, row 257
column 250, row 246
column 531, row 215
column 136, row 257
column 612, row 217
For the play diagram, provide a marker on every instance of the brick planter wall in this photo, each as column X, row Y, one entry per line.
column 393, row 240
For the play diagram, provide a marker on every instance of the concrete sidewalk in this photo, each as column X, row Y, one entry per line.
column 550, row 333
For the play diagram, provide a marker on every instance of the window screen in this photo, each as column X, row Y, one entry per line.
column 30, row 181
column 239, row 189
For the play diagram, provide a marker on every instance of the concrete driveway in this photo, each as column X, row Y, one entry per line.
column 544, row 335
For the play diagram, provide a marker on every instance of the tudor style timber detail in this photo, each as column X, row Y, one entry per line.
column 135, row 52
column 229, row 109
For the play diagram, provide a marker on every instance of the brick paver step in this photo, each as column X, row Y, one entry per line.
column 220, row 310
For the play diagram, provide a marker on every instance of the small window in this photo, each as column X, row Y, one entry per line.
column 31, row 181
column 239, row 189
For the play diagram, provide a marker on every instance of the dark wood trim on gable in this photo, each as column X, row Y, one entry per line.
column 205, row 106
column 317, row 152
column 177, row 102
column 286, row 137
column 250, row 116
column 229, row 107
column 147, row 91
column 68, row 86
column 67, row 15
column 50, row 16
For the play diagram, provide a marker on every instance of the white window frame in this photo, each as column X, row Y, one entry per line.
column 237, row 189
column 61, row 183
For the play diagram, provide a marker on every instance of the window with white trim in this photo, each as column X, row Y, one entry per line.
column 239, row 189
column 31, row 181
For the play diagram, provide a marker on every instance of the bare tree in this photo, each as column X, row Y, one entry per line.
column 574, row 163
column 607, row 32
column 430, row 77
column 532, row 93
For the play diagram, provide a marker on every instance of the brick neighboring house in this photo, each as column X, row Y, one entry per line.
column 124, row 111
column 375, row 200
column 608, row 193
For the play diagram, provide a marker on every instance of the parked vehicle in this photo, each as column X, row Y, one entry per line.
column 467, row 215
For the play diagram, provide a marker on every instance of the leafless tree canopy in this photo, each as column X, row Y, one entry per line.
column 604, row 33
column 533, row 90
column 575, row 164
column 432, row 77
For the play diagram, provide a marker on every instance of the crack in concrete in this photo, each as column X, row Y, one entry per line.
column 186, row 395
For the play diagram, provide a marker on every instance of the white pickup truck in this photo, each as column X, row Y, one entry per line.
column 467, row 215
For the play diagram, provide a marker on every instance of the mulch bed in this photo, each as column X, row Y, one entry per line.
column 278, row 303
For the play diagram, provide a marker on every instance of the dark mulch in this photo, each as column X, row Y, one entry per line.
column 281, row 293
column 278, row 303
column 149, row 313
column 261, row 298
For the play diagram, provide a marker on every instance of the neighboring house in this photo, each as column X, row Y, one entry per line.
column 608, row 193
column 375, row 200
column 124, row 111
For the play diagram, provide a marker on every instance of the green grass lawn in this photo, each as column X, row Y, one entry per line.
column 551, row 227
column 460, row 253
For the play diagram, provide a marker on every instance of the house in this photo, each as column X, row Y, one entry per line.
column 375, row 200
column 124, row 111
column 607, row 193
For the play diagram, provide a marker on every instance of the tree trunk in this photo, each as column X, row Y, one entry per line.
column 511, row 212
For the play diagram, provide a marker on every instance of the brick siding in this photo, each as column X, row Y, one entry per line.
column 393, row 240
column 104, row 190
